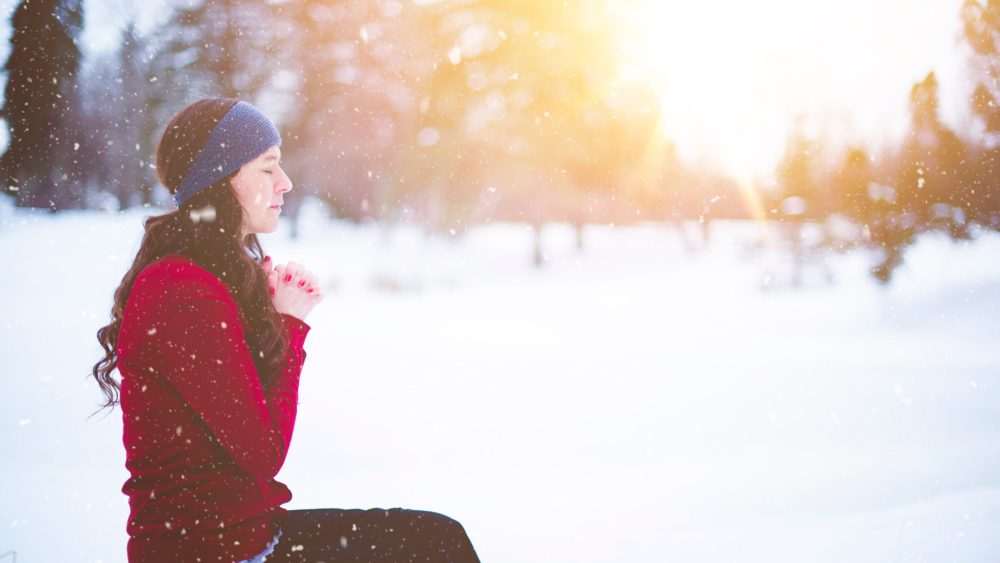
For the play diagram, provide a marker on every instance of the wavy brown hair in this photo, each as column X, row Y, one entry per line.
column 207, row 229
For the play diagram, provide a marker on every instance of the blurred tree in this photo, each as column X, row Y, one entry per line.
column 217, row 48
column 797, row 197
column 118, row 95
column 141, row 98
column 41, row 105
column 100, row 86
column 799, row 194
column 137, row 124
column 930, row 187
column 127, row 97
column 355, row 64
column 985, row 189
column 981, row 27
column 931, row 182
column 886, row 227
column 851, row 185
column 518, row 117
column 204, row 49
column 616, row 158
column 981, row 30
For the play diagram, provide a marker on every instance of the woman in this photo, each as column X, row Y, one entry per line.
column 208, row 335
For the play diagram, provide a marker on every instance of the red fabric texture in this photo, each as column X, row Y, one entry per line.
column 203, row 438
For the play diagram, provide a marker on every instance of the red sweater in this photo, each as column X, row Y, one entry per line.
column 203, row 439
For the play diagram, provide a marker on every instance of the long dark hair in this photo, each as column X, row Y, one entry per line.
column 207, row 229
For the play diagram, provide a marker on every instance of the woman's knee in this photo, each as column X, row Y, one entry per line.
column 437, row 524
column 431, row 518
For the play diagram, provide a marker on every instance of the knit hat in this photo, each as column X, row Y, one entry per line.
column 242, row 135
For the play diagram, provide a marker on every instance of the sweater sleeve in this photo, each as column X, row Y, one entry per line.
column 202, row 351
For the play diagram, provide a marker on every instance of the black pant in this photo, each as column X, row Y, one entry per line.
column 333, row 535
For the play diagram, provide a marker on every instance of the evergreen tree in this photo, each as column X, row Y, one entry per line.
column 799, row 193
column 120, row 103
column 217, row 48
column 982, row 34
column 41, row 167
column 932, row 182
column 136, row 121
column 981, row 30
column 851, row 186
column 930, row 189
column 985, row 189
column 504, row 112
column 355, row 64
column 100, row 88
column 798, row 197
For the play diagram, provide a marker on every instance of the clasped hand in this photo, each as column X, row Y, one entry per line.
column 294, row 289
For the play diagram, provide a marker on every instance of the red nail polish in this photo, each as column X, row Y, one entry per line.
column 271, row 289
column 288, row 278
column 302, row 283
column 310, row 290
column 267, row 259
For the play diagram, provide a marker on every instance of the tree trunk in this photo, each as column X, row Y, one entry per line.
column 539, row 257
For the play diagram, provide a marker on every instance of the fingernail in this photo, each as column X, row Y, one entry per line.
column 267, row 259
column 271, row 289
column 302, row 283
column 311, row 290
column 288, row 278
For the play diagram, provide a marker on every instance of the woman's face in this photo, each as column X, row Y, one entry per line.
column 259, row 186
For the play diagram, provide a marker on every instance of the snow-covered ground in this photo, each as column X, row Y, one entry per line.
column 629, row 402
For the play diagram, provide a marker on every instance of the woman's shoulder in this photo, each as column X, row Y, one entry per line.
column 177, row 268
column 178, row 276
column 165, row 292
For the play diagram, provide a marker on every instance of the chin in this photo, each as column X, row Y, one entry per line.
column 265, row 228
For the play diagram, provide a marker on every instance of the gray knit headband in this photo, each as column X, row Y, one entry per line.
column 242, row 135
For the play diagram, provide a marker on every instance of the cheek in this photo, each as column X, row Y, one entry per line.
column 248, row 192
column 257, row 196
column 254, row 193
column 260, row 196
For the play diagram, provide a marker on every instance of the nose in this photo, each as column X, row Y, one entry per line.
column 284, row 182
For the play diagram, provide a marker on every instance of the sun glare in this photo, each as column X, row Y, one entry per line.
column 718, row 68
column 734, row 75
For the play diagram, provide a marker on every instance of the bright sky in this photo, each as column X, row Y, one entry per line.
column 734, row 74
